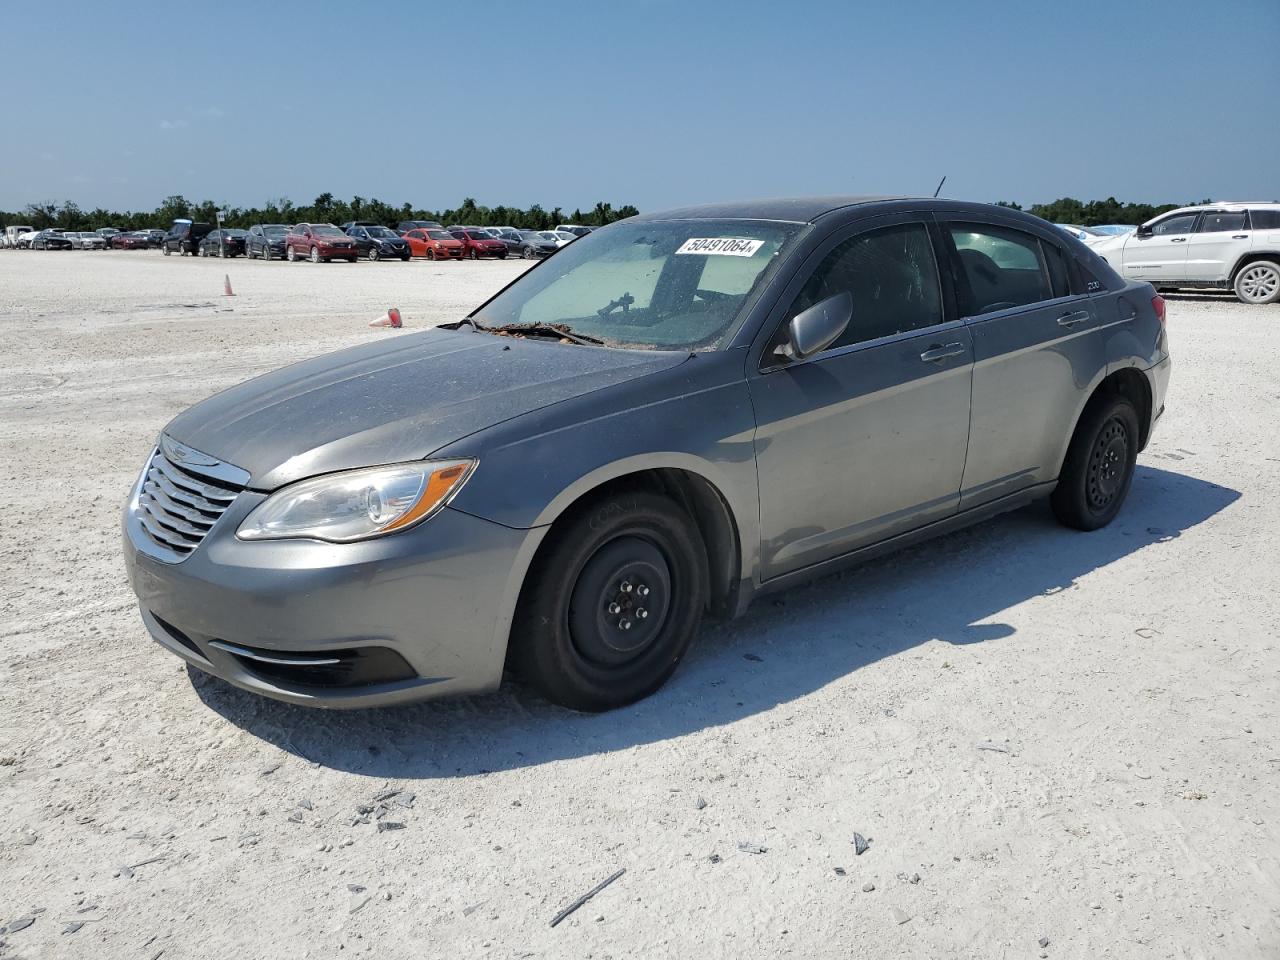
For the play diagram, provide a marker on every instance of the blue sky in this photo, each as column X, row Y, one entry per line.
column 650, row 102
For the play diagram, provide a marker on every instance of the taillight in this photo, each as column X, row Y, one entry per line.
column 1157, row 303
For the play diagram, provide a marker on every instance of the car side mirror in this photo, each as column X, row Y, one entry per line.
column 1143, row 232
column 813, row 330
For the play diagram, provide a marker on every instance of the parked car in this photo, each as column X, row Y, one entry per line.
column 155, row 238
column 320, row 243
column 538, row 243
column 1216, row 246
column 223, row 243
column 563, row 237
column 50, row 240
column 266, row 240
column 183, row 238
column 84, row 240
column 691, row 410
column 434, row 244
column 13, row 235
column 22, row 241
column 132, row 241
column 106, row 233
column 478, row 243
column 574, row 229
column 1079, row 232
column 378, row 242
column 510, row 237
column 404, row 226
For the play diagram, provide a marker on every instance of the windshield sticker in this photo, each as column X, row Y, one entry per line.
column 721, row 246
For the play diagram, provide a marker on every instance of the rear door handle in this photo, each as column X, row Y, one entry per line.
column 942, row 352
column 1071, row 319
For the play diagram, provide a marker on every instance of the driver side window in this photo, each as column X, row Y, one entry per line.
column 893, row 277
column 1174, row 225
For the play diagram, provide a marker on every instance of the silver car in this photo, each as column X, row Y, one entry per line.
column 674, row 415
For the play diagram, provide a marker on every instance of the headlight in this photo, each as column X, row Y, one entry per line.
column 357, row 504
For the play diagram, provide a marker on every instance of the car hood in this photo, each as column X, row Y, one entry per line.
column 1103, row 244
column 395, row 400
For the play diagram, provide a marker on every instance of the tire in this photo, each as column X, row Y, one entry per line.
column 291, row 254
column 248, row 251
column 374, row 254
column 473, row 255
column 166, row 249
column 1098, row 468
column 315, row 255
column 1258, row 282
column 406, row 257
column 582, row 637
column 351, row 259
column 431, row 254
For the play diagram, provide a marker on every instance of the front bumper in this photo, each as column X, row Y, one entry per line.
column 415, row 615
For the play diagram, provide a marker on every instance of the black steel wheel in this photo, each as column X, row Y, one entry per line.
column 1098, row 469
column 612, row 603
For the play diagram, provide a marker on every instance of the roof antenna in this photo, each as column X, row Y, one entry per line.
column 940, row 183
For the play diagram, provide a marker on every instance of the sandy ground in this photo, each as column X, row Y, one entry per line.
column 1044, row 734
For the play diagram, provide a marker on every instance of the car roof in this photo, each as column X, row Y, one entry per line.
column 790, row 209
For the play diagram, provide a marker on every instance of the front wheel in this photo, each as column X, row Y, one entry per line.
column 315, row 254
column 1258, row 282
column 374, row 254
column 473, row 255
column 166, row 249
column 613, row 602
column 1099, row 465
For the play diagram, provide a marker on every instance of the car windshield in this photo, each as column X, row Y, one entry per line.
column 547, row 235
column 674, row 285
column 439, row 235
column 382, row 232
column 480, row 235
column 326, row 230
column 274, row 231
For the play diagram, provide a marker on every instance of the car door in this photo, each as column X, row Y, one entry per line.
column 1221, row 237
column 1161, row 252
column 1036, row 349
column 867, row 439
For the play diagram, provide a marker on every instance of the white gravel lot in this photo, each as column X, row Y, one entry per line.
column 1126, row 683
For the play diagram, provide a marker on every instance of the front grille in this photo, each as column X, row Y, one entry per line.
column 177, row 507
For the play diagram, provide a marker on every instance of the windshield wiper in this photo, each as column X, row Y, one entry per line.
column 557, row 331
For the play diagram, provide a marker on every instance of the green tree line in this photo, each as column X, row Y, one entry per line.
column 1095, row 212
column 324, row 209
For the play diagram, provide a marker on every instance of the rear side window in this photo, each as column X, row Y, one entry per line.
column 1059, row 275
column 1264, row 219
column 1001, row 268
column 1221, row 222
column 893, row 277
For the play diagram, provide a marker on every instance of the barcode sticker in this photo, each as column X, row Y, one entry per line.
column 721, row 246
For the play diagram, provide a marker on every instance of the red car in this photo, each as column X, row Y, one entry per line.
column 480, row 243
column 320, row 243
column 130, row 241
column 434, row 244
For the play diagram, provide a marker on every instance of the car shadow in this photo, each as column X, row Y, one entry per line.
column 1218, row 296
column 952, row 589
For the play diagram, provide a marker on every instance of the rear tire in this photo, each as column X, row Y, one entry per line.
column 1258, row 283
column 613, row 602
column 1099, row 465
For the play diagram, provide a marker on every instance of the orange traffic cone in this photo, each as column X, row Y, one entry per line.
column 392, row 319
column 226, row 285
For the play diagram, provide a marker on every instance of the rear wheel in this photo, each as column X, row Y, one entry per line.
column 1098, row 469
column 613, row 603
column 1258, row 282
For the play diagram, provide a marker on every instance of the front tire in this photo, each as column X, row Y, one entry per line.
column 315, row 254
column 374, row 254
column 612, row 603
column 1099, row 465
column 1258, row 283
column 291, row 254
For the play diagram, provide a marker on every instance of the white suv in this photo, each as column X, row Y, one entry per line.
column 1224, row 246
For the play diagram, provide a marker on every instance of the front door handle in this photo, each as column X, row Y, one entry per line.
column 1239, row 236
column 941, row 352
column 1071, row 319
column 1178, row 240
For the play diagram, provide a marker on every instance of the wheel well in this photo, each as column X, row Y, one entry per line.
column 709, row 510
column 1133, row 385
column 1254, row 257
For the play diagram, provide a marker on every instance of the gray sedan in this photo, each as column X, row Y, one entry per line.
column 676, row 414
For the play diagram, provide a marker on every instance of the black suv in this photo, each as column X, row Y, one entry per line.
column 376, row 242
column 184, row 237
